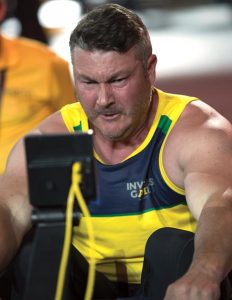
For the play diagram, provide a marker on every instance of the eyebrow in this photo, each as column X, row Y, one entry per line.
column 84, row 77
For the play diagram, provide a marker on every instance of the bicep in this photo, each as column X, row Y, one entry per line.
column 208, row 172
column 14, row 192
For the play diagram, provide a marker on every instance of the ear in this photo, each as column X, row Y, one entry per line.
column 2, row 10
column 151, row 68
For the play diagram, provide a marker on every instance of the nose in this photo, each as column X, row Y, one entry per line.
column 104, row 94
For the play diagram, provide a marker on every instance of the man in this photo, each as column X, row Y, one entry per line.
column 163, row 165
column 34, row 82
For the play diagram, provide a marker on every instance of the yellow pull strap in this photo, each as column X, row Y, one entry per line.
column 75, row 191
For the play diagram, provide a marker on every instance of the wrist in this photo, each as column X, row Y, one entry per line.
column 210, row 266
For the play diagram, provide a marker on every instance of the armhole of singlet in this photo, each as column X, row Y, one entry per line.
column 164, row 175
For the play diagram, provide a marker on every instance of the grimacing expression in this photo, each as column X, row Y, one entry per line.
column 114, row 89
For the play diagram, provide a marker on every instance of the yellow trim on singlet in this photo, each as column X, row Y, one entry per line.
column 165, row 176
column 75, row 116
column 174, row 116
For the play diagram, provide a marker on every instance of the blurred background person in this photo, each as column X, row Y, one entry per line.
column 34, row 82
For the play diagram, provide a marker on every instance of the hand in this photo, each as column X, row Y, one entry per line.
column 194, row 286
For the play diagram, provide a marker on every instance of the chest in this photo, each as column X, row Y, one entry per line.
column 135, row 185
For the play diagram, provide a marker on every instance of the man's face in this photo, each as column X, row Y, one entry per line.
column 114, row 90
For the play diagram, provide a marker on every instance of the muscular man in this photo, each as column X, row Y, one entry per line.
column 163, row 216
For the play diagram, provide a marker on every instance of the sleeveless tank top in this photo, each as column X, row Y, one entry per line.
column 134, row 197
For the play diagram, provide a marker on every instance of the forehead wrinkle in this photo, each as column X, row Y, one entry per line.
column 97, row 69
column 103, row 64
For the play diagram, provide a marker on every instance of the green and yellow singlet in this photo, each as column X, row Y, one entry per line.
column 134, row 197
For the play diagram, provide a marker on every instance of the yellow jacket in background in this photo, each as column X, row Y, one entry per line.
column 37, row 82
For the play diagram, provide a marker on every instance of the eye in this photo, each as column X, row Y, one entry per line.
column 89, row 82
column 119, row 81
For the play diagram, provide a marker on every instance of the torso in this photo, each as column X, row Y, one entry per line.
column 135, row 193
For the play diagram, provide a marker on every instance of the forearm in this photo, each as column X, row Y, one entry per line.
column 9, row 240
column 213, row 240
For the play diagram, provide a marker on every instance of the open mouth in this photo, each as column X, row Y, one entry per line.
column 110, row 116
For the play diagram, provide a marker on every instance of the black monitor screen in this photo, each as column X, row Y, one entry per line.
column 49, row 164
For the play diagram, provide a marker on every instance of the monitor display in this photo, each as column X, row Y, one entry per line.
column 49, row 165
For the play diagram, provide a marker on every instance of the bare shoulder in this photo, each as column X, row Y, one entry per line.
column 16, row 161
column 200, row 142
column 53, row 124
column 199, row 114
column 203, row 129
